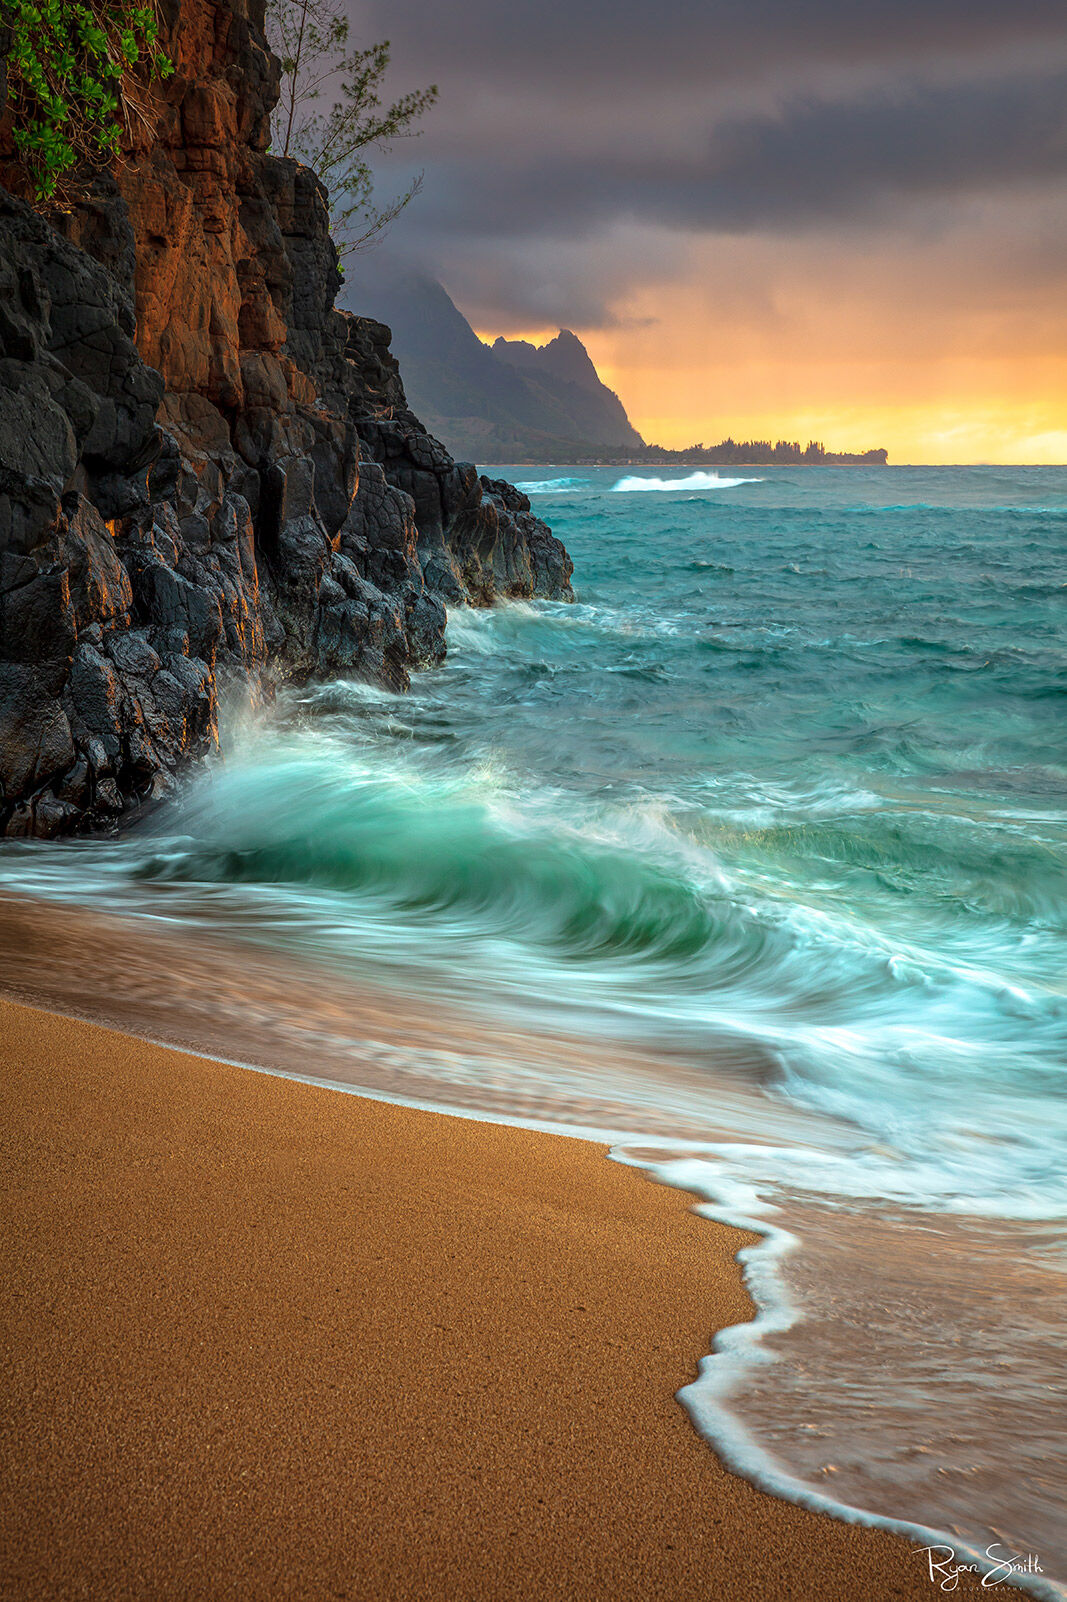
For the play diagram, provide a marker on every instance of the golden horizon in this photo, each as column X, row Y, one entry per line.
column 987, row 413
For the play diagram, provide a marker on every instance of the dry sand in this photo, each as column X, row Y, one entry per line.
column 265, row 1340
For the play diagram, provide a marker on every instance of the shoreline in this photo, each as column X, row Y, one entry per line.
column 269, row 1339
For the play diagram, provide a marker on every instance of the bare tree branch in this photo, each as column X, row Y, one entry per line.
column 311, row 39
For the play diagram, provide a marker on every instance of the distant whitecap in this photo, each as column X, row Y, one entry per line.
column 549, row 486
column 694, row 481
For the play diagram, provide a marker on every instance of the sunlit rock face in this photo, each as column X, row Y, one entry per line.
column 208, row 475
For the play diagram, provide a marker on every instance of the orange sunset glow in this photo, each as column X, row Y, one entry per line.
column 843, row 223
column 918, row 350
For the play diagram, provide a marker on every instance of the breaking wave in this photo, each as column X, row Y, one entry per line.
column 694, row 481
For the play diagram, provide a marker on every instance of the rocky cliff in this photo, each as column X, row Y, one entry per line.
column 208, row 475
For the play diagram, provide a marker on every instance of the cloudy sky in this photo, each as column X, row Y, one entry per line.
column 840, row 218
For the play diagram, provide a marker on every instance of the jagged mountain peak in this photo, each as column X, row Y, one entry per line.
column 563, row 357
column 510, row 400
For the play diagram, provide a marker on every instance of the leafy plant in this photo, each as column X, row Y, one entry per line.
column 76, row 76
column 311, row 39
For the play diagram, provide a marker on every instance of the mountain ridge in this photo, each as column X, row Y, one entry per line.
column 514, row 401
column 489, row 401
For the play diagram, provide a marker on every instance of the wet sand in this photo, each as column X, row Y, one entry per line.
column 268, row 1340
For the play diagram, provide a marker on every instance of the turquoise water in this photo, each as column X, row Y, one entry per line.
column 780, row 800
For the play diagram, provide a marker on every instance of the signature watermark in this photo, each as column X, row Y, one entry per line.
column 945, row 1571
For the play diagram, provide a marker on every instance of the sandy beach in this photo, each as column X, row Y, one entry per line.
column 264, row 1339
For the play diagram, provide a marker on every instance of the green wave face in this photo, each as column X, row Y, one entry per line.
column 437, row 852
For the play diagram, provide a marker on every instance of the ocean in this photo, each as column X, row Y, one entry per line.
column 767, row 832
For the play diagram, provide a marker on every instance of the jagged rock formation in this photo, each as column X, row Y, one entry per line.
column 208, row 476
column 509, row 402
column 477, row 537
column 564, row 366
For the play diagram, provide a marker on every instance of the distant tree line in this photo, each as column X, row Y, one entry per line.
column 761, row 453
column 731, row 452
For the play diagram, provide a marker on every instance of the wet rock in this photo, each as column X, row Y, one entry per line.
column 208, row 475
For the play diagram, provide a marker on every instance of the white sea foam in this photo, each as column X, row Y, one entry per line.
column 549, row 486
column 490, row 630
column 741, row 1352
column 347, row 693
column 694, row 481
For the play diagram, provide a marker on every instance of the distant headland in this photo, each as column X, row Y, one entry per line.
column 517, row 402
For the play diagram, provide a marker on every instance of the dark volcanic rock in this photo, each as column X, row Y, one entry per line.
column 207, row 474
column 477, row 538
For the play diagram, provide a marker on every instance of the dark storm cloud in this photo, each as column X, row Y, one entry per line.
column 801, row 167
column 573, row 135
column 631, row 42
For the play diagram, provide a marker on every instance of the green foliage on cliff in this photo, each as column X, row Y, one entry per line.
column 311, row 39
column 75, row 79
